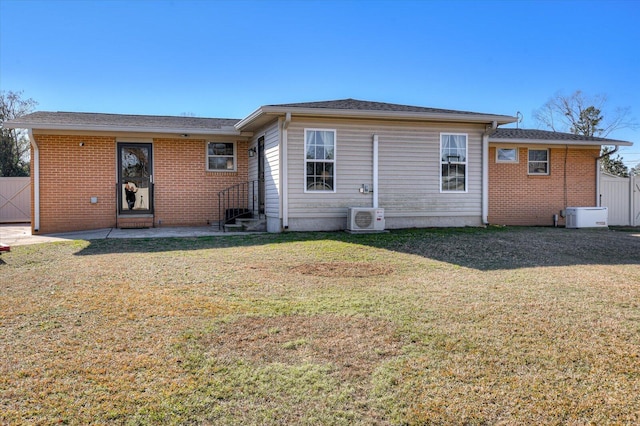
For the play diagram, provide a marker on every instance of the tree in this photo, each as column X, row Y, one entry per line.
column 583, row 115
column 14, row 146
column 588, row 121
column 614, row 166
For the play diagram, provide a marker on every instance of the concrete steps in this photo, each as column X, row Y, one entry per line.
column 247, row 225
column 135, row 222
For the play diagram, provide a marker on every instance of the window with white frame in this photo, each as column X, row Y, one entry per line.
column 453, row 161
column 320, row 160
column 538, row 161
column 221, row 156
column 506, row 155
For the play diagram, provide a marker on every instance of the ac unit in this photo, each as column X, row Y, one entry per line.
column 361, row 219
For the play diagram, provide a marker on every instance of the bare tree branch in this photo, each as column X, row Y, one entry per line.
column 574, row 112
column 588, row 116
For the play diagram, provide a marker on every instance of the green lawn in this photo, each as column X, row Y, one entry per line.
column 453, row 326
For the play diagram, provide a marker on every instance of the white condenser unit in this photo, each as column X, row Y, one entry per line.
column 587, row 217
column 360, row 219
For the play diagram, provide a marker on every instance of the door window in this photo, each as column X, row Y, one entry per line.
column 136, row 188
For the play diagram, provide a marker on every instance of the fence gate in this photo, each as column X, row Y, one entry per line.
column 15, row 199
column 622, row 198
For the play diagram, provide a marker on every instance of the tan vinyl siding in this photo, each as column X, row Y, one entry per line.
column 409, row 173
column 272, row 170
column 353, row 155
column 271, row 136
column 409, row 169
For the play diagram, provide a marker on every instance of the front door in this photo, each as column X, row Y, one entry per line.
column 135, row 178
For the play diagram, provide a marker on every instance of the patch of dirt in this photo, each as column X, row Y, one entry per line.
column 344, row 269
column 353, row 345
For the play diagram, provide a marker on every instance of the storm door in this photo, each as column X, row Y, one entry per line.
column 135, row 178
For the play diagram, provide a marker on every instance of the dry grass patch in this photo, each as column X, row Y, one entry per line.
column 291, row 369
column 354, row 346
column 344, row 269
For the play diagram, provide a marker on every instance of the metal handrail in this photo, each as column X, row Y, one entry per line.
column 238, row 201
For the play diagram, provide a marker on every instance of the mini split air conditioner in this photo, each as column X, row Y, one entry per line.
column 361, row 219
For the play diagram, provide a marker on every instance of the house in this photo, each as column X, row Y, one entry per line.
column 301, row 167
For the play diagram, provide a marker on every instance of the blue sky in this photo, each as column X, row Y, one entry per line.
column 226, row 58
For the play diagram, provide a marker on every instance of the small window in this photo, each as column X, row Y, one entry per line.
column 507, row 155
column 320, row 160
column 221, row 156
column 453, row 162
column 538, row 161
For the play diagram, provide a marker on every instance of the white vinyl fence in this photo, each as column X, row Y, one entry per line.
column 622, row 198
column 15, row 199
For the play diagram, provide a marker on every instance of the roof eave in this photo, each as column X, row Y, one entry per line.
column 245, row 122
column 382, row 115
column 557, row 142
column 230, row 131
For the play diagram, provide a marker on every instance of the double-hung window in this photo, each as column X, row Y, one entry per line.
column 320, row 160
column 221, row 156
column 453, row 162
column 538, row 161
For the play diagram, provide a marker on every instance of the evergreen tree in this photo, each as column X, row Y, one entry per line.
column 614, row 166
column 586, row 122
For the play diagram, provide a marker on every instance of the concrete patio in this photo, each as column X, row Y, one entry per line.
column 20, row 234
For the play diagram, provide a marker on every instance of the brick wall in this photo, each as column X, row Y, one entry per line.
column 70, row 174
column 185, row 193
column 517, row 198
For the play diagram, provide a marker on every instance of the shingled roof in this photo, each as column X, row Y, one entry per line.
column 546, row 136
column 353, row 108
column 341, row 108
column 358, row 105
column 122, row 122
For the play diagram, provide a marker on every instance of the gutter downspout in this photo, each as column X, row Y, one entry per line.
column 598, row 195
column 633, row 194
column 285, row 171
column 375, row 171
column 485, row 171
column 36, row 181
